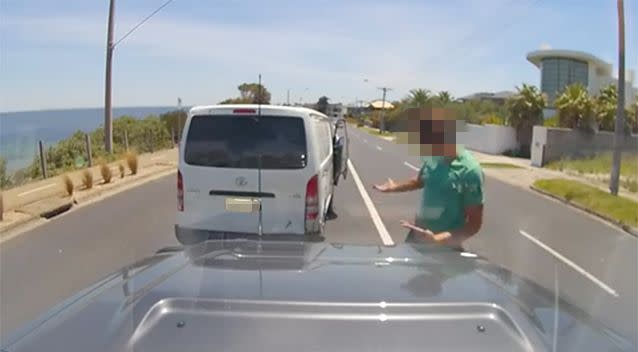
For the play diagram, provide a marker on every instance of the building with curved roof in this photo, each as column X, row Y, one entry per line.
column 560, row 68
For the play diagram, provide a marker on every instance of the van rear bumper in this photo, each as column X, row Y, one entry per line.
column 188, row 236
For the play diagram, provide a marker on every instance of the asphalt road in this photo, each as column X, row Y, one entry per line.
column 596, row 269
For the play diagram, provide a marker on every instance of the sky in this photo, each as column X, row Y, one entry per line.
column 52, row 52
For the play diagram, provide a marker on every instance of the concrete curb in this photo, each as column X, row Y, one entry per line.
column 630, row 230
column 9, row 227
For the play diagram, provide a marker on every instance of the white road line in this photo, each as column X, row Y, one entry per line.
column 379, row 148
column 157, row 157
column 573, row 265
column 378, row 223
column 411, row 166
column 36, row 189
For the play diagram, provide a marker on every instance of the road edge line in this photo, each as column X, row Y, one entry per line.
column 569, row 263
column 374, row 214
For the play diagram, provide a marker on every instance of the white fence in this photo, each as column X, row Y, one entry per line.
column 491, row 139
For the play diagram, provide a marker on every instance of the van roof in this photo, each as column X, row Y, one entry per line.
column 268, row 109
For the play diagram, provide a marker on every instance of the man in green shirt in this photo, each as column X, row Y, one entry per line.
column 451, row 209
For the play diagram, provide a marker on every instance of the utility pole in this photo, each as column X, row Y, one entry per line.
column 110, row 46
column 179, row 119
column 620, row 108
column 288, row 97
column 108, row 113
column 382, row 121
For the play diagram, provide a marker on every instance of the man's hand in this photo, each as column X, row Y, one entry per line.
column 388, row 186
column 427, row 234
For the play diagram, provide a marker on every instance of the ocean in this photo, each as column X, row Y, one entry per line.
column 21, row 131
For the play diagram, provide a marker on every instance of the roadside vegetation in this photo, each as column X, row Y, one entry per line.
column 500, row 165
column 620, row 209
column 599, row 164
column 149, row 134
column 68, row 185
column 105, row 171
column 597, row 167
column 576, row 109
column 132, row 162
column 87, row 179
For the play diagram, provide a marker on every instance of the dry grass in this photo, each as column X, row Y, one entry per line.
column 68, row 184
column 500, row 165
column 87, row 179
column 121, row 168
column 599, row 164
column 107, row 175
column 132, row 162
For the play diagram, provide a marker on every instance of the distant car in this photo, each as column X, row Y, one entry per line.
column 246, row 169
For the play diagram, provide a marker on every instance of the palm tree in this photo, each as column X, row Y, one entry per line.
column 445, row 97
column 575, row 108
column 525, row 110
column 419, row 97
column 605, row 108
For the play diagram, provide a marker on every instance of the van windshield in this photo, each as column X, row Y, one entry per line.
column 241, row 141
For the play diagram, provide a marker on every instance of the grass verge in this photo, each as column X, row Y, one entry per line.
column 501, row 166
column 619, row 209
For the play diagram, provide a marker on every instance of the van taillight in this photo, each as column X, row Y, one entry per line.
column 312, row 198
column 180, row 192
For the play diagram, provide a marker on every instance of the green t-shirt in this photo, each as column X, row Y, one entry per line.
column 448, row 188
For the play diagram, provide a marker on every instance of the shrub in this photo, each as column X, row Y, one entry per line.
column 132, row 162
column 551, row 122
column 87, row 179
column 106, row 172
column 5, row 179
column 492, row 120
column 68, row 184
column 121, row 168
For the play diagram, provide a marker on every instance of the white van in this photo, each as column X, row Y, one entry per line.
column 251, row 170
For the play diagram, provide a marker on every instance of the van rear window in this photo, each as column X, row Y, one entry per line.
column 275, row 142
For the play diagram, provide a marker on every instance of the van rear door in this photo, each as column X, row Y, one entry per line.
column 234, row 162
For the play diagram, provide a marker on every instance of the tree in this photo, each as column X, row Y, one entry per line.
column 255, row 92
column 444, row 97
column 322, row 104
column 631, row 118
column 5, row 179
column 418, row 98
column 525, row 109
column 174, row 120
column 605, row 108
column 250, row 93
column 575, row 108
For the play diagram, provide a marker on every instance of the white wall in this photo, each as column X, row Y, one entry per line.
column 491, row 139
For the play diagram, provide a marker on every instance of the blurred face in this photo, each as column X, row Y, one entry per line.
column 429, row 131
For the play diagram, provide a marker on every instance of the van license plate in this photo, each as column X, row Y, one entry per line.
column 242, row 205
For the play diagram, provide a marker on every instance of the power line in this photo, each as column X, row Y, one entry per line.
column 143, row 21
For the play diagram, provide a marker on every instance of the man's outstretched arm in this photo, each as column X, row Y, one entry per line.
column 401, row 186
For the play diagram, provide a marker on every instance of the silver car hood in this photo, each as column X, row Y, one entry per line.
column 260, row 296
